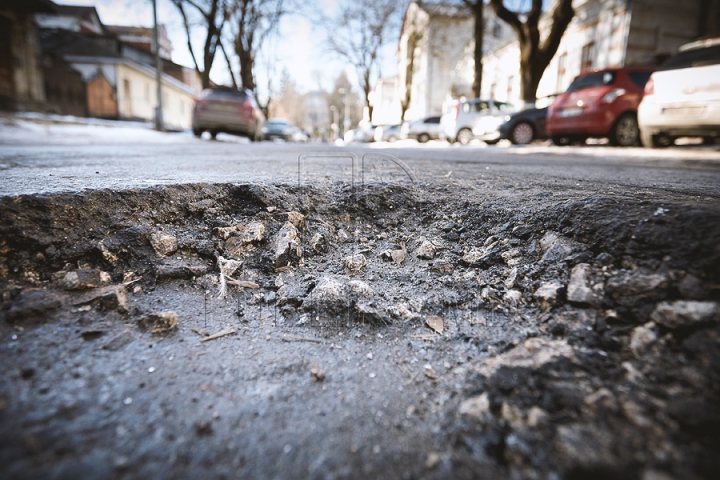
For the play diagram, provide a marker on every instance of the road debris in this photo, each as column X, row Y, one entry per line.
column 228, row 331
column 316, row 373
column 435, row 323
column 159, row 323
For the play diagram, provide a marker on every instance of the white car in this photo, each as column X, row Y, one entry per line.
column 424, row 129
column 682, row 98
column 471, row 118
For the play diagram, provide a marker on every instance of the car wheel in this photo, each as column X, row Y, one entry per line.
column 197, row 132
column 656, row 141
column 560, row 140
column 492, row 142
column 423, row 138
column 522, row 134
column 213, row 134
column 625, row 132
column 464, row 136
column 392, row 139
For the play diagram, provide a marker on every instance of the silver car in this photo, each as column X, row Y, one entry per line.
column 470, row 118
column 682, row 98
column 424, row 129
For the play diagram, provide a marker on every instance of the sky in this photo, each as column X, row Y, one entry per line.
column 298, row 47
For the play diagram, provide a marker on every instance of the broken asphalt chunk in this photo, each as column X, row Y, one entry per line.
column 107, row 298
column 32, row 305
column 159, row 323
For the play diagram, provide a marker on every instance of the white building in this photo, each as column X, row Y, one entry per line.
column 604, row 33
column 435, row 55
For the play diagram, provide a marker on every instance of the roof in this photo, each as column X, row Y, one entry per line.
column 28, row 6
column 77, row 11
column 67, row 42
column 445, row 9
column 129, row 30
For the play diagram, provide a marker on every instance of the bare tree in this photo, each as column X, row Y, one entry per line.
column 535, row 53
column 357, row 33
column 476, row 7
column 213, row 15
column 253, row 22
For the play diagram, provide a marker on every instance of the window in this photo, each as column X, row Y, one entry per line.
column 475, row 107
column 696, row 57
column 592, row 80
column 432, row 120
column 503, row 107
column 588, row 57
column 562, row 69
column 639, row 78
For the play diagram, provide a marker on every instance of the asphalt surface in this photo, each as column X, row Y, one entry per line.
column 49, row 164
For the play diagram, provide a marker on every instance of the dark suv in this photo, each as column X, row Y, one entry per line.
column 228, row 111
column 600, row 103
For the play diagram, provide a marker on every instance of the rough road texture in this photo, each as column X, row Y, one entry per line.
column 577, row 336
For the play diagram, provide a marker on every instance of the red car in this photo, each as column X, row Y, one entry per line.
column 600, row 103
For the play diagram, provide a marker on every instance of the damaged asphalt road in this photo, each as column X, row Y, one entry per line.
column 443, row 329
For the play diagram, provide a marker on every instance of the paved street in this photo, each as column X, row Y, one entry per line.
column 66, row 158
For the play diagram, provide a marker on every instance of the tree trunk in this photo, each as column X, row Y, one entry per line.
column 479, row 33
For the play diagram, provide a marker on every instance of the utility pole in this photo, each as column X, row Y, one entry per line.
column 158, row 72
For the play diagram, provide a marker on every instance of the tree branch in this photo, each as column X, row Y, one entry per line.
column 561, row 18
column 508, row 17
column 229, row 65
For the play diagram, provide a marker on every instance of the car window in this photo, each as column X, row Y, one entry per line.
column 476, row 107
column 432, row 120
column 592, row 80
column 698, row 57
column 503, row 107
column 227, row 94
column 639, row 78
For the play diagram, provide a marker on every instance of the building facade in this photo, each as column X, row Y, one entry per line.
column 119, row 77
column 604, row 34
column 21, row 75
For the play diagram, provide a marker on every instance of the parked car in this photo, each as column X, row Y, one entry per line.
column 470, row 118
column 392, row 133
column 228, row 111
column 278, row 128
column 682, row 98
column 524, row 126
column 298, row 135
column 424, row 129
column 600, row 103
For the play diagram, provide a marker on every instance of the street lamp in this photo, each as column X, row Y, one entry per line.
column 346, row 118
column 333, row 125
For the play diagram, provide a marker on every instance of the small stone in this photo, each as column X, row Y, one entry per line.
column 477, row 407
column 355, row 262
column 642, row 338
column 161, row 322
column 369, row 356
column 685, row 313
column 512, row 297
column 556, row 247
column 361, row 288
column 537, row 416
column 108, row 298
column 637, row 282
column 578, row 290
column 442, row 266
column 435, row 323
column 317, row 243
column 297, row 219
column 84, row 279
column 547, row 293
column 691, row 287
column 163, row 244
column 432, row 460
column 342, row 236
column 287, row 246
column 425, row 251
column 511, row 278
column 316, row 373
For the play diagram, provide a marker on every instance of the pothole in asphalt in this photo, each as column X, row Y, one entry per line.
column 562, row 336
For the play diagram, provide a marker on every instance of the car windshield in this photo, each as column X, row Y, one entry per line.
column 277, row 122
column 592, row 80
column 228, row 94
column 697, row 57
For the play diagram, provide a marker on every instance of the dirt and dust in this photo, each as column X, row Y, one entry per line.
column 391, row 331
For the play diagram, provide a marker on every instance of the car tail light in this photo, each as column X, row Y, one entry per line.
column 200, row 104
column 457, row 110
column 613, row 95
column 650, row 87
